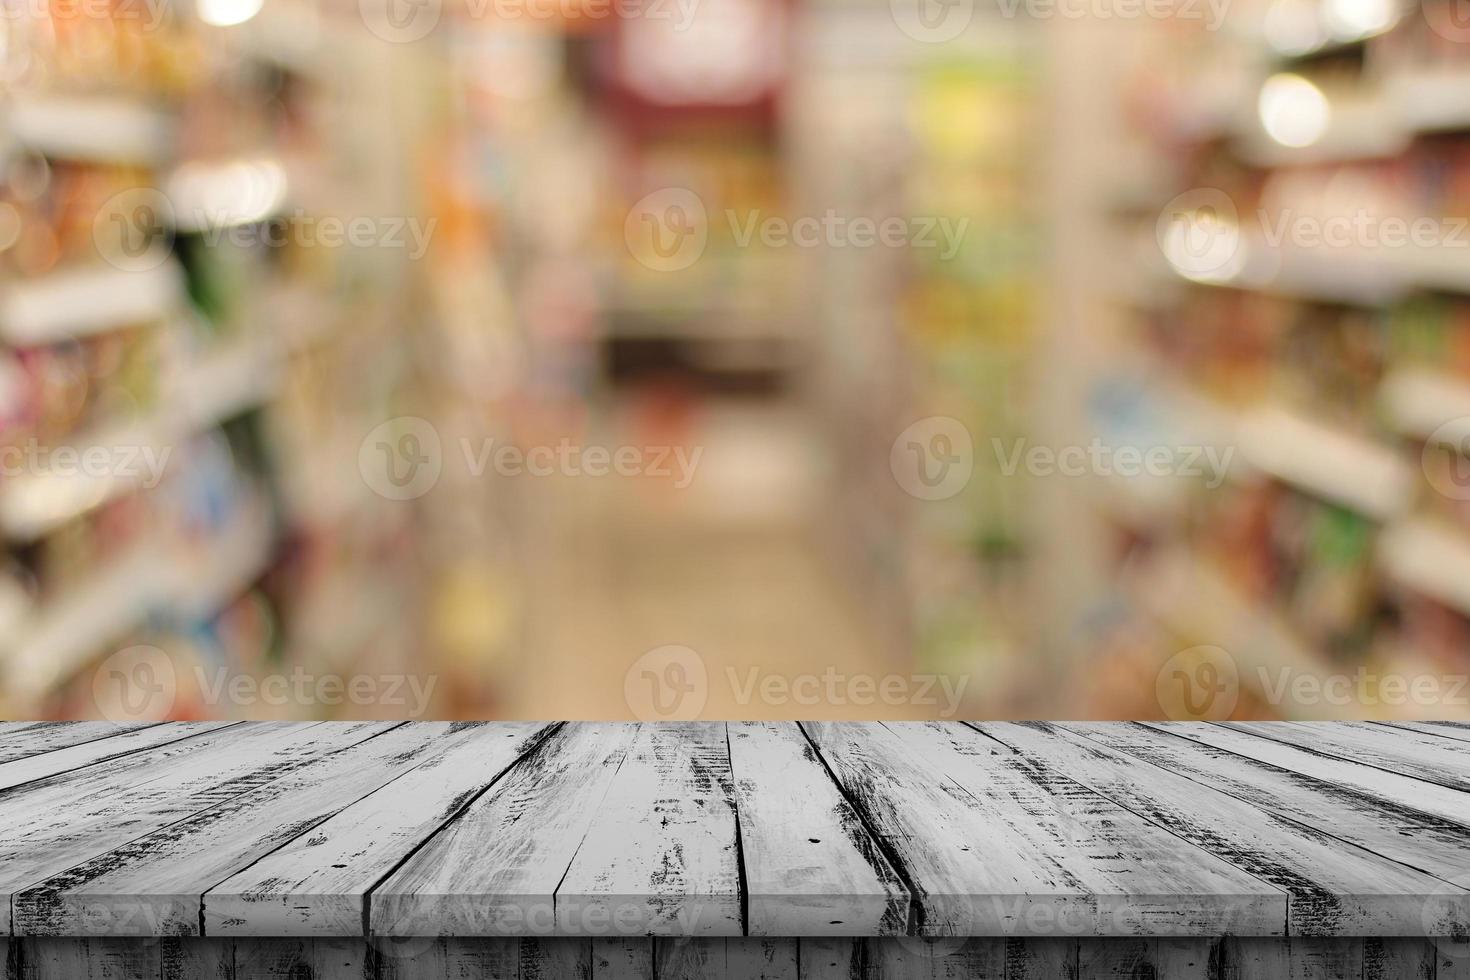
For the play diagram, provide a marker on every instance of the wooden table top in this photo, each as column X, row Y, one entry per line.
column 715, row 829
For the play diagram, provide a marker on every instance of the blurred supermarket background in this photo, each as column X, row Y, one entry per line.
column 734, row 358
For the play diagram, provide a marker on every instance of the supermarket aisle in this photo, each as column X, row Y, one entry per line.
column 729, row 567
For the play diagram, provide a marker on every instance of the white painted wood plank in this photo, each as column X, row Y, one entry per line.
column 156, row 881
column 1457, row 730
column 663, row 850
column 971, row 874
column 1396, row 789
column 811, row 867
column 494, row 871
column 316, row 885
column 1142, row 879
column 1427, row 757
column 1430, row 844
column 30, row 768
column 52, row 824
column 48, row 736
column 1336, row 889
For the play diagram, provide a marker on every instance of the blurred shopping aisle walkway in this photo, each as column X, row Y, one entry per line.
column 730, row 567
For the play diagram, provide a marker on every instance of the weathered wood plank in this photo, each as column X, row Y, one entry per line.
column 811, row 868
column 1042, row 959
column 91, row 958
column 1326, row 959
column 833, row 958
column 555, row 959
column 1452, row 959
column 663, row 851
column 917, row 958
column 263, row 958
column 933, row 826
column 55, row 823
column 445, row 958
column 1432, row 845
column 1254, row 958
column 48, row 736
column 1457, row 730
column 316, row 885
column 1335, row 889
column 163, row 875
column 736, row 958
column 1396, row 789
column 1181, row 958
column 1427, row 757
column 624, row 958
column 1143, row 880
column 756, row 958
column 1115, row 958
column 195, row 959
column 125, row 742
column 494, row 870
column 1398, row 958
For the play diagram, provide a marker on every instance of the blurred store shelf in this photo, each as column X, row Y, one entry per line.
column 93, row 128
column 77, row 302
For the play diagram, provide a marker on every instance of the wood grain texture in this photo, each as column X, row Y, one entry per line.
column 494, row 871
column 1430, row 844
column 28, row 740
column 53, row 824
column 316, row 885
column 811, row 867
column 424, row 837
column 663, row 853
column 125, row 741
column 1335, row 889
column 1143, row 880
column 1391, row 787
column 746, row 958
column 155, row 883
column 1431, row 758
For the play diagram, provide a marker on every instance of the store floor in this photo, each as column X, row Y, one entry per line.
column 728, row 568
